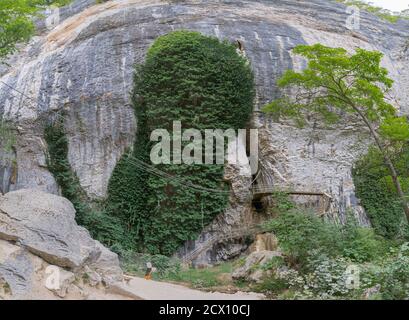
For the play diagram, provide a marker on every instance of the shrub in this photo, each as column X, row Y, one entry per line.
column 361, row 245
column 282, row 202
column 272, row 286
column 273, row 264
column 327, row 278
column 318, row 254
column 378, row 196
column 394, row 276
column 323, row 278
column 301, row 233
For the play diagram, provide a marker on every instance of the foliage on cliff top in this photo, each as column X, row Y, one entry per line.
column 378, row 11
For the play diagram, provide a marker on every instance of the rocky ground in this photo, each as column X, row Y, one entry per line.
column 44, row 254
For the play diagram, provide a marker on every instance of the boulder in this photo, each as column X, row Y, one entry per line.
column 107, row 265
column 93, row 277
column 16, row 269
column 250, row 270
column 45, row 225
column 43, row 248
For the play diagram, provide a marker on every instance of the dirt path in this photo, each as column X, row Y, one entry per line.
column 139, row 288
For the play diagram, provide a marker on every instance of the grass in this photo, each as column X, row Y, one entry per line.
column 205, row 278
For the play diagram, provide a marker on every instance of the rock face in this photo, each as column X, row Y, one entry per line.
column 81, row 65
column 39, row 238
column 214, row 243
column 264, row 242
column 262, row 251
column 252, row 267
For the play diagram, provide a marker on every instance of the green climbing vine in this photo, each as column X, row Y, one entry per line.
column 7, row 136
column 92, row 215
column 375, row 188
column 187, row 77
column 204, row 84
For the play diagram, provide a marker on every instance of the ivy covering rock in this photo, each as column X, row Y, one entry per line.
column 204, row 84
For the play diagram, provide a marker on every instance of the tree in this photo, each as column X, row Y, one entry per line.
column 16, row 21
column 15, row 24
column 335, row 83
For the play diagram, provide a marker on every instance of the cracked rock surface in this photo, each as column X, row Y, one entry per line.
column 38, row 230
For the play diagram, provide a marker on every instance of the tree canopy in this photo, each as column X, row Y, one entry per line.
column 16, row 21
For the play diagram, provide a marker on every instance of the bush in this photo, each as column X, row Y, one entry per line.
column 301, row 233
column 327, row 278
column 362, row 244
column 203, row 83
column 273, row 264
column 378, row 196
column 394, row 276
column 318, row 254
column 272, row 286
column 282, row 202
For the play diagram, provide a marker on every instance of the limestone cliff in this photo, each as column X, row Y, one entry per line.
column 81, row 62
